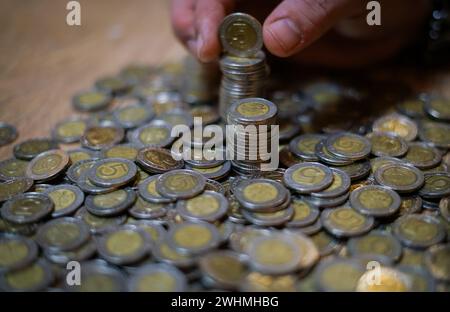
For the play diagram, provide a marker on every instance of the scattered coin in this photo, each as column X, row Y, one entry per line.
column 180, row 184
column 47, row 165
column 132, row 116
column 340, row 185
column 16, row 252
column 304, row 146
column 376, row 243
column 99, row 224
column 66, row 199
column 308, row 177
column 91, row 101
column 338, row 274
column 348, row 146
column 27, row 208
column 34, row 277
column 110, row 204
column 346, row 222
column 259, row 194
column 159, row 278
column 7, row 133
column 304, row 213
column 70, row 130
column 157, row 160
column 385, row 144
column 101, row 137
column 12, row 168
column 375, row 200
column 208, row 206
column 112, row 172
column 438, row 108
column 29, row 149
column 418, row 231
column 402, row 178
column 396, row 124
column 193, row 237
column 436, row 133
column 13, row 187
column 437, row 259
column 423, row 156
column 436, row 185
column 143, row 209
column 127, row 151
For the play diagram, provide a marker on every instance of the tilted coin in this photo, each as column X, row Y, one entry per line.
column 98, row 224
column 193, row 237
column 436, row 185
column 7, row 133
column 13, row 187
column 155, row 230
column 154, row 134
column 260, row 193
column 112, row 85
column 215, row 173
column 132, row 116
column 110, row 204
column 148, row 191
column 157, row 160
column 180, row 184
column 346, row 222
column 259, row 282
column 91, row 101
column 123, row 245
column 328, row 202
column 163, row 252
column 444, row 208
column 377, row 162
column 112, row 172
column 422, row 155
column 127, row 151
column 100, row 137
column 157, row 278
column 389, row 279
column 241, row 35
column 62, row 234
column 421, row 279
column 76, row 169
column 325, row 243
column 435, row 133
column 340, row 185
column 308, row 177
column 438, row 108
column 82, row 253
column 27, row 208
column 347, row 145
column 143, row 209
column 47, row 165
column 304, row 213
column 69, row 130
column 375, row 200
column 208, row 206
column 16, row 252
column 397, row 124
column 12, row 168
column 87, row 186
column 271, row 218
column 385, row 144
column 418, row 231
column 34, row 277
column 304, row 146
column 66, row 198
column 437, row 260
column 338, row 274
column 410, row 204
column 402, row 178
column 376, row 243
column 79, row 154
column 325, row 156
column 29, row 149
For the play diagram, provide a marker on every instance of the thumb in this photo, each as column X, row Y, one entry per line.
column 295, row 24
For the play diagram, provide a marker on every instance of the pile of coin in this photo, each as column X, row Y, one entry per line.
column 104, row 189
column 243, row 66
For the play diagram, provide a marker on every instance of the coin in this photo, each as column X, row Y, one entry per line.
column 421, row 280
column 34, row 277
column 402, row 178
column 27, row 208
column 112, row 172
column 259, row 194
column 133, row 115
column 304, row 146
column 163, row 252
column 435, row 133
column 423, row 156
column 101, row 137
column 98, row 224
column 376, row 243
column 143, row 209
column 396, row 124
column 377, row 162
column 346, row 222
column 308, row 177
column 326, row 157
column 388, row 280
column 147, row 189
column 437, row 259
column 436, row 185
column 90, row 101
column 241, row 35
column 157, row 160
column 123, row 245
column 16, row 252
column 79, row 154
column 212, row 185
column 62, row 234
column 272, row 218
column 327, row 202
column 252, row 111
column 47, row 165
column 180, row 184
column 385, row 144
column 308, row 250
column 12, row 168
column 110, row 204
column 304, row 213
column 340, row 185
column 29, row 149
column 157, row 278
column 375, row 200
column 208, row 206
column 347, row 145
column 82, row 253
column 418, row 231
column 127, row 151
column 193, row 237
column 7, row 133
column 214, row 173
column 258, row 282
column 86, row 185
column 70, row 130
column 154, row 229
column 13, row 187
column 66, row 199
column 438, row 108
column 412, row 108
column 338, row 274
column 155, row 134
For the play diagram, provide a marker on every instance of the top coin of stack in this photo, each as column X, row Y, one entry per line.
column 244, row 67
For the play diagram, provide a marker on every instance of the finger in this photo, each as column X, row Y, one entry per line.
column 182, row 16
column 295, row 24
column 208, row 15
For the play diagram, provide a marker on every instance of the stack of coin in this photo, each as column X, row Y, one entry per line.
column 243, row 66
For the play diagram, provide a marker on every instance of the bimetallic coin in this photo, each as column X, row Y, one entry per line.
column 143, row 209
column 304, row 146
column 308, row 250
column 127, row 151
column 12, row 168
column 80, row 154
column 338, row 274
column 208, row 206
column 7, row 133
column 101, row 137
column 396, row 124
column 438, row 108
column 241, row 35
column 325, row 156
column 304, row 213
column 110, row 204
column 34, row 277
column 29, row 149
column 70, row 130
column 423, row 156
column 347, row 145
column 376, row 243
column 123, row 245
column 444, row 208
column 163, row 252
column 98, row 224
column 27, row 208
column 157, row 278
column 66, row 199
column 389, row 280
column 357, row 170
column 346, row 222
column 157, row 160
column 308, row 177
column 180, row 184
column 91, row 101
column 86, row 185
column 76, row 169
column 47, row 165
column 375, row 200
column 148, row 191
column 421, row 279
column 259, row 194
column 133, row 115
column 436, row 134
column 62, row 234
column 325, row 243
column 274, row 218
column 16, row 252
column 377, row 162
column 412, row 108
column 251, row 111
column 112, row 172
column 154, row 134
column 437, row 260
column 193, row 238
column 258, row 282
column 418, row 231
column 13, row 187
column 340, row 185
column 436, row 185
column 385, row 144
column 402, row 178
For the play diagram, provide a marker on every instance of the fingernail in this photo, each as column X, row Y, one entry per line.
column 286, row 33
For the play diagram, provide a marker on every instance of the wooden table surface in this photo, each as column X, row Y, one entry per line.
column 43, row 61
